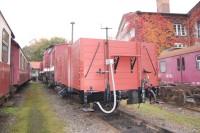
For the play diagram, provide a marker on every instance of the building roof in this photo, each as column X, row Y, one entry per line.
column 13, row 42
column 196, row 6
column 13, row 36
column 36, row 64
column 138, row 13
column 191, row 49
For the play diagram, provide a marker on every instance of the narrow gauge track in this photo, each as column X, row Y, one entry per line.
column 129, row 123
column 123, row 121
column 195, row 109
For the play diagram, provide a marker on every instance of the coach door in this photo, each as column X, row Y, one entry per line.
column 180, row 69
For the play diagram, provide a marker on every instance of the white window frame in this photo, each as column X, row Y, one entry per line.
column 163, row 66
column 6, row 43
column 180, row 30
column 198, row 62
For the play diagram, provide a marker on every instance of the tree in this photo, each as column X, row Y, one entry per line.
column 35, row 51
column 154, row 28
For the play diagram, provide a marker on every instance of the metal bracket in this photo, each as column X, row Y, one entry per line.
column 132, row 63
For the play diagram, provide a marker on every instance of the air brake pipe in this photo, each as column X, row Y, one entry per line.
column 154, row 95
column 111, row 62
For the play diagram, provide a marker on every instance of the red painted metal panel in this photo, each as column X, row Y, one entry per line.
column 4, row 79
column 14, row 63
column 190, row 75
column 84, row 69
column 61, row 63
column 149, row 62
column 18, row 77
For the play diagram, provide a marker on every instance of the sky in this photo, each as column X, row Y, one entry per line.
column 34, row 19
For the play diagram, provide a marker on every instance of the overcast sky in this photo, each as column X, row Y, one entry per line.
column 34, row 19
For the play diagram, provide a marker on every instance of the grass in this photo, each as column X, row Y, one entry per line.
column 160, row 113
column 35, row 115
column 9, row 110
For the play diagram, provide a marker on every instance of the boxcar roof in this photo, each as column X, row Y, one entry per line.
column 166, row 54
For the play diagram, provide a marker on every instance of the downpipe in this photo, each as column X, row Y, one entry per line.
column 110, row 62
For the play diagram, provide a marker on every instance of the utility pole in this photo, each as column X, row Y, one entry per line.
column 106, row 28
column 106, row 67
column 72, row 32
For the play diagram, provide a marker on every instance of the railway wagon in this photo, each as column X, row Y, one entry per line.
column 14, row 66
column 100, row 71
column 20, row 66
column 46, row 73
column 5, row 47
column 180, row 66
column 132, row 63
column 58, row 64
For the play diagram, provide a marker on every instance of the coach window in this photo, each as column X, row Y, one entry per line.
column 178, row 64
column 198, row 61
column 163, row 67
column 198, row 29
column 183, row 64
column 5, row 46
column 21, row 61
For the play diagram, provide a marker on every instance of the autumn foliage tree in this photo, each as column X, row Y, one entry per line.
column 35, row 51
column 156, row 29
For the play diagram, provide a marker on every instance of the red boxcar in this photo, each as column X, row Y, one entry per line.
column 56, row 61
column 46, row 65
column 81, row 68
column 61, row 64
column 180, row 66
column 84, row 77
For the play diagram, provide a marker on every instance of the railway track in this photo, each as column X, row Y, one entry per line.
column 128, row 123
column 123, row 121
column 195, row 109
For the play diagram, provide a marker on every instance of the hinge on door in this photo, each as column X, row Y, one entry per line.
column 116, row 61
column 132, row 63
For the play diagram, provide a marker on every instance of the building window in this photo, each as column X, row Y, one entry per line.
column 198, row 29
column 126, row 25
column 180, row 30
column 5, row 46
column 198, row 61
column 132, row 33
column 178, row 64
column 163, row 67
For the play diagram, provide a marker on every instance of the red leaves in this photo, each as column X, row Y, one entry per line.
column 156, row 29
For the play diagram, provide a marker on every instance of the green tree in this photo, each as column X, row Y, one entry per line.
column 35, row 51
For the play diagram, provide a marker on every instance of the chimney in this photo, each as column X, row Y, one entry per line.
column 163, row 6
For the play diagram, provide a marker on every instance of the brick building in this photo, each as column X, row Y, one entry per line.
column 185, row 27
